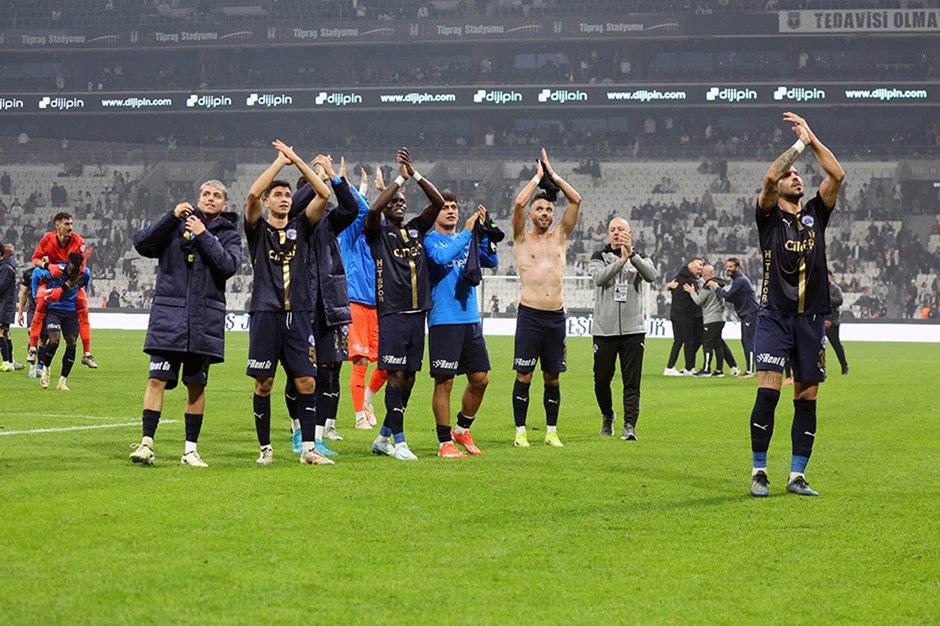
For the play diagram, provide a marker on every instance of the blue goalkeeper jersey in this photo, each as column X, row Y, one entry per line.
column 454, row 299
column 67, row 301
column 357, row 257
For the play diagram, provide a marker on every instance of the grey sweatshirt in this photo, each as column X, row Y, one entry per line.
column 713, row 307
column 612, row 318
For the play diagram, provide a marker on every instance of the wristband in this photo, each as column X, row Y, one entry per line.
column 363, row 188
column 800, row 146
column 337, row 179
column 417, row 176
column 400, row 181
column 45, row 265
column 535, row 179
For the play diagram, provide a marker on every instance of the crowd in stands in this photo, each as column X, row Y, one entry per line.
column 64, row 13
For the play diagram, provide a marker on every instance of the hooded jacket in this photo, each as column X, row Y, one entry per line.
column 612, row 318
column 9, row 289
column 187, row 314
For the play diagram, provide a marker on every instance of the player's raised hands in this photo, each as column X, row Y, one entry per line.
column 326, row 162
column 404, row 158
column 548, row 166
column 379, row 180
column 476, row 217
column 286, row 154
column 342, row 167
column 800, row 127
column 183, row 210
column 540, row 171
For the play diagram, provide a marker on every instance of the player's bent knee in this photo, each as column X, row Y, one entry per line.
column 524, row 377
column 305, row 385
column 263, row 385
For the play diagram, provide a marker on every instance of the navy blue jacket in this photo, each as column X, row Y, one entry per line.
column 325, row 263
column 188, row 310
column 741, row 295
column 9, row 290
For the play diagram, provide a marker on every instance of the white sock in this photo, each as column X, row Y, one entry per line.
column 62, row 380
column 190, row 446
column 382, row 439
column 330, row 423
column 758, row 469
column 795, row 475
column 360, row 416
column 147, row 441
column 550, row 429
column 294, row 426
column 307, row 446
column 367, row 399
column 318, row 433
column 460, row 430
column 403, row 444
column 520, row 429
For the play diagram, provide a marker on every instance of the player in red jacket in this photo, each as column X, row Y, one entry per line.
column 54, row 248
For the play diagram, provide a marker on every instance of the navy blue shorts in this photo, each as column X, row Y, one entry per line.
column 455, row 349
column 401, row 342
column 5, row 326
column 166, row 366
column 281, row 336
column 65, row 322
column 801, row 339
column 540, row 336
column 332, row 342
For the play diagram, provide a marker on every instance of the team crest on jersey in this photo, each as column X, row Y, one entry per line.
column 82, row 248
column 345, row 329
column 310, row 340
column 412, row 233
column 291, row 234
column 808, row 221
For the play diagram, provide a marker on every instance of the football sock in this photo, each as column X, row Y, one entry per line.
column 290, row 399
column 150, row 421
column 551, row 429
column 406, row 394
column 376, row 381
column 520, row 402
column 759, row 460
column 84, row 328
column 443, row 434
column 307, row 414
column 193, row 426
column 357, row 386
column 762, row 418
column 520, row 429
column 464, row 422
column 10, row 348
column 803, row 432
column 262, row 409
column 189, row 446
column 68, row 360
column 6, row 353
column 551, row 398
column 49, row 352
column 395, row 408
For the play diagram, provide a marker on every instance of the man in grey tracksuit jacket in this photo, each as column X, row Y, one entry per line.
column 618, row 325
column 713, row 314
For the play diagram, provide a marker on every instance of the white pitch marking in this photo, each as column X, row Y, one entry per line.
column 62, row 415
column 68, row 428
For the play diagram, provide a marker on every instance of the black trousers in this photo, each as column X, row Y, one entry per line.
column 832, row 334
column 630, row 350
column 715, row 346
column 687, row 335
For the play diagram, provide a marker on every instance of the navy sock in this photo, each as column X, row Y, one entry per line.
column 193, row 426
column 262, row 409
column 443, row 434
column 395, row 408
column 762, row 420
column 520, row 402
column 333, row 389
column 463, row 421
column 290, row 397
column 49, row 352
column 803, row 432
column 150, row 421
column 321, row 401
column 6, row 349
column 307, row 414
column 551, row 399
column 68, row 360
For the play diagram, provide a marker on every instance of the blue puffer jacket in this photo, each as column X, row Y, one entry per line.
column 9, row 289
column 188, row 310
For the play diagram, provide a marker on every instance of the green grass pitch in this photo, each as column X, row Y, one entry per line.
column 661, row 530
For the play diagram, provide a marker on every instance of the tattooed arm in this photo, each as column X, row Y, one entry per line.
column 770, row 193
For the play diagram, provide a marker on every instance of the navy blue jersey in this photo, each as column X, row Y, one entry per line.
column 279, row 261
column 401, row 268
column 794, row 251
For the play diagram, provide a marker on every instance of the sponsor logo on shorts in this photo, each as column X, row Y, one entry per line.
column 157, row 366
column 394, row 360
column 258, row 365
column 763, row 357
column 447, row 365
column 525, row 362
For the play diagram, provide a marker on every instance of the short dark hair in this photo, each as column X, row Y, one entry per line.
column 542, row 195
column 274, row 184
column 301, row 182
column 449, row 196
column 734, row 260
column 62, row 215
column 76, row 258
